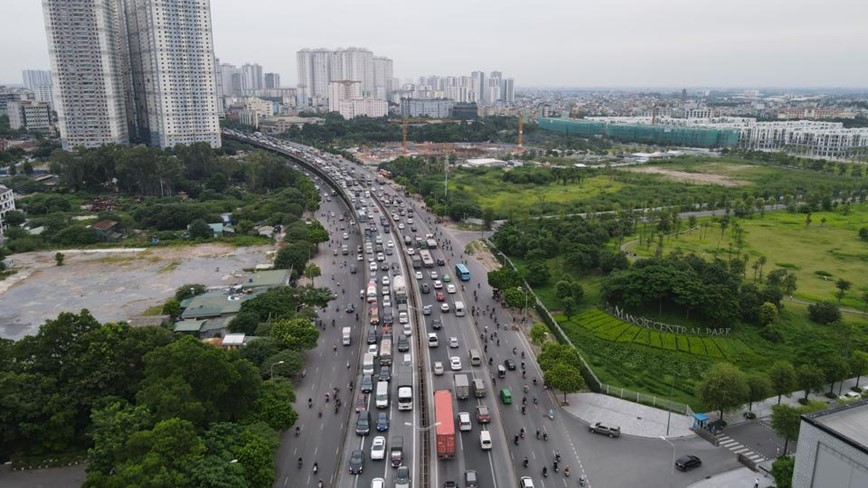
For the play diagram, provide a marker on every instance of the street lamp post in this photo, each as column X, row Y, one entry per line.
column 272, row 369
column 672, row 468
column 671, row 391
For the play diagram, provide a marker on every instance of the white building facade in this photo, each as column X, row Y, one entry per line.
column 343, row 90
column 39, row 82
column 319, row 67
column 30, row 115
column 7, row 204
column 368, row 107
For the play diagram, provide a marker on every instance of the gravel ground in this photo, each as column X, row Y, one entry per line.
column 114, row 284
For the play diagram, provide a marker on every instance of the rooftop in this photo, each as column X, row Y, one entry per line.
column 848, row 423
column 211, row 304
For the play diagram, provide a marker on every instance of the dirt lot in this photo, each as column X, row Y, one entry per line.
column 114, row 284
column 697, row 178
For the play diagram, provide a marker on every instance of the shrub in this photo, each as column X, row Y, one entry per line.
column 824, row 312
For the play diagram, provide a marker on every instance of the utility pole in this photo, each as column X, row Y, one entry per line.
column 446, row 177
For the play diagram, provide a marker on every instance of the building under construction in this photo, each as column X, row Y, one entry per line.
column 662, row 135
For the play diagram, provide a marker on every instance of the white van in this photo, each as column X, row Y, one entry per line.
column 382, row 394
column 368, row 363
column 485, row 440
column 459, row 309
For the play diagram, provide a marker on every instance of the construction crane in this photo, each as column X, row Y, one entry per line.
column 520, row 129
column 404, row 135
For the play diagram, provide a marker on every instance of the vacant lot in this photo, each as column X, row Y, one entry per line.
column 705, row 178
column 113, row 284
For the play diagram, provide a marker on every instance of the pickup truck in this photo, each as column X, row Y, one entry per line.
column 601, row 428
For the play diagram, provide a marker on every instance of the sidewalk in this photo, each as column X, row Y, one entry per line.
column 737, row 478
column 633, row 418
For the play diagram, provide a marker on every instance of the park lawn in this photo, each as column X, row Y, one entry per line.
column 786, row 241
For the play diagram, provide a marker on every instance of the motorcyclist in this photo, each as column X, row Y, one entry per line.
column 300, row 462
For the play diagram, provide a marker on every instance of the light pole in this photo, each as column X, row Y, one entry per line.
column 272, row 369
column 423, row 429
column 672, row 468
column 671, row 390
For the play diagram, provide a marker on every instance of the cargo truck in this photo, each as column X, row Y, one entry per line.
column 445, row 424
column 396, row 451
column 399, row 284
column 405, row 387
column 462, row 386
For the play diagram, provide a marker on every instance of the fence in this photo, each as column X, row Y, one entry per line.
column 591, row 379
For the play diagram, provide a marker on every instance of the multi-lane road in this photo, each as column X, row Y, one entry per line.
column 330, row 439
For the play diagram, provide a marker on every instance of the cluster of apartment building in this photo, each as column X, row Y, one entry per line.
column 7, row 204
column 132, row 71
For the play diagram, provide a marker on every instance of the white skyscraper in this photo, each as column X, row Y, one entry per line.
column 318, row 67
column 479, row 85
column 251, row 78
column 172, row 59
column 87, row 53
column 382, row 78
column 140, row 66
column 343, row 90
column 229, row 74
column 38, row 81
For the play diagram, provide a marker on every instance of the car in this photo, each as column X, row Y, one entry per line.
column 471, row 480
column 402, row 477
column 444, row 307
column 510, row 364
column 360, row 257
column 403, row 317
column 603, row 429
column 450, row 484
column 413, row 228
column 436, row 324
column 450, row 288
column 464, row 424
column 433, row 275
column 485, row 440
column 411, row 251
column 482, row 415
column 525, row 482
column 433, row 340
column 446, row 277
column 378, row 448
column 361, row 402
column 419, row 275
column 403, row 344
column 384, row 266
column 424, row 288
column 688, row 462
column 438, row 368
column 455, row 363
column 363, row 423
column 357, row 462
column 346, row 236
column 401, row 225
column 426, row 310
column 354, row 269
column 351, row 308
column 385, row 280
column 367, row 385
column 453, row 342
column 387, row 301
column 378, row 483
column 440, row 296
column 409, row 220
column 391, row 243
column 408, row 331
column 385, row 373
column 382, row 422
column 438, row 284
column 372, row 348
column 372, row 267
column 850, row 395
column 372, row 336
column 335, row 252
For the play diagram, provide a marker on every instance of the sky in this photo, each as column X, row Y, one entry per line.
column 540, row 43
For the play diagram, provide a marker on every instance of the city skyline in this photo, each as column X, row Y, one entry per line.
column 617, row 44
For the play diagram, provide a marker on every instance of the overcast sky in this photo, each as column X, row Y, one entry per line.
column 574, row 43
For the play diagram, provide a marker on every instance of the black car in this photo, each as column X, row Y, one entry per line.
column 510, row 364
column 351, row 308
column 372, row 336
column 688, row 462
column 436, row 324
column 367, row 384
column 384, row 266
column 357, row 462
column 403, row 344
column 385, row 373
column 424, row 288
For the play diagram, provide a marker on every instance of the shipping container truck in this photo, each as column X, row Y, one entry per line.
column 445, row 422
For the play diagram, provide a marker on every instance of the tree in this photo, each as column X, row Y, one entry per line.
column 111, row 427
column 783, row 378
column 768, row 313
column 312, row 271
column 274, row 405
column 292, row 256
column 514, row 297
column 295, row 334
column 858, row 365
column 538, row 333
column 785, row 422
column 14, row 218
column 809, row 378
column 172, row 308
column 569, row 306
column 842, row 285
column 824, row 312
column 835, row 368
column 504, row 279
column 724, row 388
column 199, row 229
column 537, row 273
column 564, row 377
column 759, row 386
column 189, row 290
column 293, row 363
column 58, row 258
column 259, row 350
column 782, row 471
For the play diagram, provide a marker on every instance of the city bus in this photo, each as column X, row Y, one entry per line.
column 462, row 272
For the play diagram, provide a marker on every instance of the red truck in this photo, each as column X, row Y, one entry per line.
column 445, row 424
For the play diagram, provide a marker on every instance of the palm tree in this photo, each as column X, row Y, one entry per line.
column 761, row 261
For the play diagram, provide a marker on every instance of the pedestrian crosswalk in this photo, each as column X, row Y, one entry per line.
column 738, row 448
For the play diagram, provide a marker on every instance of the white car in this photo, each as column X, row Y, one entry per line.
column 360, row 258
column 455, row 363
column 453, row 342
column 434, row 275
column 419, row 275
column 378, row 483
column 438, row 284
column 385, row 280
column 373, row 349
column 444, row 307
column 373, row 266
column 464, row 424
column 525, row 482
column 403, row 318
column 346, row 236
column 438, row 368
column 391, row 243
column 408, row 331
column 411, row 251
column 401, row 226
column 450, row 288
column 378, row 448
column 380, row 257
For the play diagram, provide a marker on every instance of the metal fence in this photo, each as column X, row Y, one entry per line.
column 593, row 381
